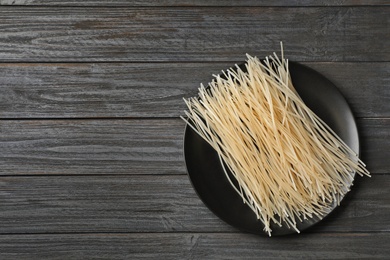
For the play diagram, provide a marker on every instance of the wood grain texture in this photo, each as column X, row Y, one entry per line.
column 195, row 246
column 74, row 147
column 92, row 147
column 222, row 3
column 79, row 204
column 371, row 139
column 193, row 34
column 31, row 90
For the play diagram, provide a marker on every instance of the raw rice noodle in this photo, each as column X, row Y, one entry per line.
column 289, row 165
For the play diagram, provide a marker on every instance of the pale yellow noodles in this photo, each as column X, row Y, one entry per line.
column 288, row 163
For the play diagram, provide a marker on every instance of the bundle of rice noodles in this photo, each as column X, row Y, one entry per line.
column 289, row 165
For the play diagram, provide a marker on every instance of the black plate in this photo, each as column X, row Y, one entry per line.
column 209, row 180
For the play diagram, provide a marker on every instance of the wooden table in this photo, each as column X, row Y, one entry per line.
column 91, row 141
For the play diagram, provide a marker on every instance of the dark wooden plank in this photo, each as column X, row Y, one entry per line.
column 91, row 147
column 102, row 204
column 375, row 144
column 163, row 3
column 78, row 204
column 47, row 147
column 155, row 89
column 193, row 34
column 195, row 246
